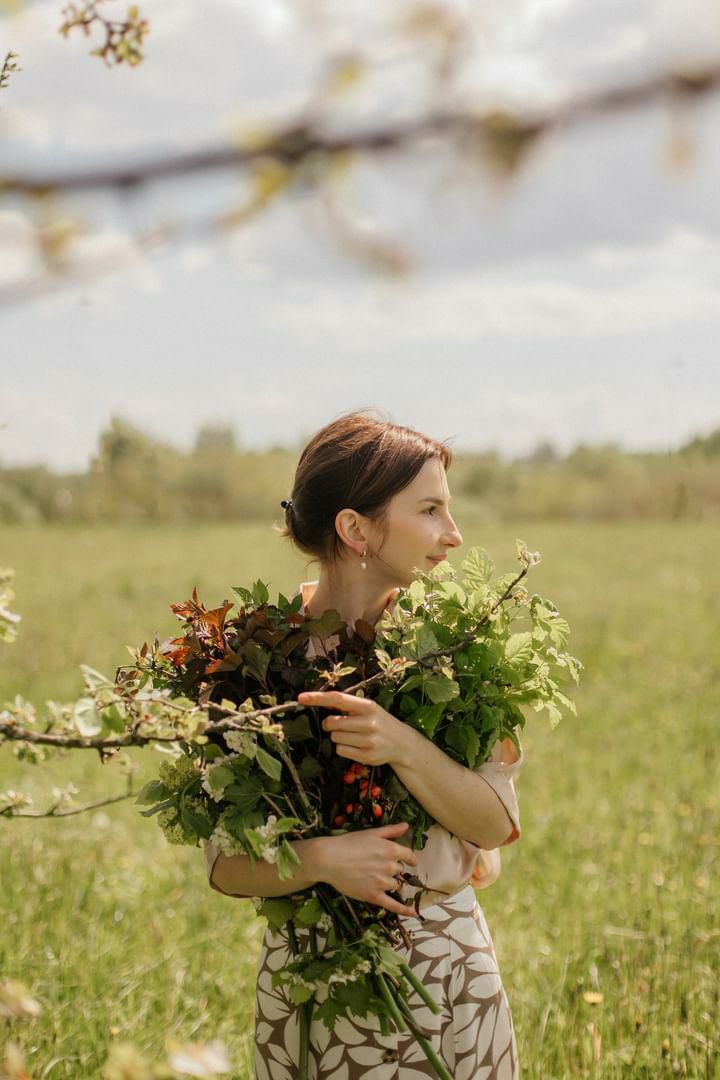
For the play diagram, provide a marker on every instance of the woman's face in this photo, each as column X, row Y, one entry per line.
column 419, row 526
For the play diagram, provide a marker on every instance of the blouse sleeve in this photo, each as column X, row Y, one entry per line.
column 211, row 854
column 499, row 772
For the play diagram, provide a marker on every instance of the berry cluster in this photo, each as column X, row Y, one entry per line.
column 366, row 793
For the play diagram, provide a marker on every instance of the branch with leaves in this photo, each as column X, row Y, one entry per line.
column 8, row 67
column 124, row 38
column 301, row 154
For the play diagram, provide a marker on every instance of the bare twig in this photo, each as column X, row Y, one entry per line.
column 55, row 812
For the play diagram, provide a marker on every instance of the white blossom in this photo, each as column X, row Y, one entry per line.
column 218, row 794
column 228, row 844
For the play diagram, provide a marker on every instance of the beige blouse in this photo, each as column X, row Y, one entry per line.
column 446, row 863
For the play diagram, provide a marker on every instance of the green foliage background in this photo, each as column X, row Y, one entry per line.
column 612, row 888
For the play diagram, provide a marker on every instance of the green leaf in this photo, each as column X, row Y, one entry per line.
column 196, row 823
column 219, row 777
column 309, row 767
column 559, row 632
column 477, row 567
column 554, row 714
column 417, row 593
column 427, row 718
column 260, row 593
column 243, row 594
column 151, row 792
column 299, row 993
column 395, row 789
column 455, row 593
column 113, row 719
column 519, row 648
column 310, row 913
column 426, row 641
column 356, row 995
column 244, row 796
column 164, row 805
column 297, row 728
column 329, row 1012
column 472, row 745
column 269, row 764
column 277, row 910
column 438, row 688
column 287, row 860
column 256, row 660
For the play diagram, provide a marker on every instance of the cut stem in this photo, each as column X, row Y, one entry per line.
column 419, row 988
column 303, row 1018
column 437, row 1064
column 390, row 1005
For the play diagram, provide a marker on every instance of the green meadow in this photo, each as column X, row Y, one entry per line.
column 605, row 915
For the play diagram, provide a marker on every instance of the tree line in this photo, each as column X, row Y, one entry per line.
column 133, row 478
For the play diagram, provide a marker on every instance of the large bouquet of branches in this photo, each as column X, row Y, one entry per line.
column 453, row 660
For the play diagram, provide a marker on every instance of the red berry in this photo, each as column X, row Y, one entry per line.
column 377, row 810
column 349, row 778
column 349, row 808
column 364, row 786
column 339, row 819
column 375, row 791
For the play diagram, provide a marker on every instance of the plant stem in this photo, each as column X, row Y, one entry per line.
column 390, row 1005
column 423, row 1040
column 304, row 1054
column 419, row 988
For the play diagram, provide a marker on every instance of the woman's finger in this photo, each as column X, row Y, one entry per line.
column 354, row 752
column 395, row 905
column 346, row 723
column 335, row 699
column 350, row 738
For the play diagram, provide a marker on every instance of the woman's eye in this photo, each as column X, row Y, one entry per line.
column 430, row 510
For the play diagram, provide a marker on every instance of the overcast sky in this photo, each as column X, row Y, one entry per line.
column 579, row 304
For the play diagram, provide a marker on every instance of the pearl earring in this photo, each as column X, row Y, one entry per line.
column 363, row 564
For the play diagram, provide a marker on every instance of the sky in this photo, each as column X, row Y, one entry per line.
column 579, row 303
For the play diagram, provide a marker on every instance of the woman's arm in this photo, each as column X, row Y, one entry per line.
column 454, row 795
column 362, row 864
column 239, row 876
column 461, row 800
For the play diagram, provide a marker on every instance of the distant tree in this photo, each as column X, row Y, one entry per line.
column 709, row 445
column 215, row 440
column 543, row 454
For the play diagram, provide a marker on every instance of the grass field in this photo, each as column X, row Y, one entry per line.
column 612, row 889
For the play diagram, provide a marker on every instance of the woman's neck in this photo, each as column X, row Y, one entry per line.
column 354, row 600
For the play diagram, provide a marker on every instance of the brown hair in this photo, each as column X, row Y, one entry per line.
column 354, row 461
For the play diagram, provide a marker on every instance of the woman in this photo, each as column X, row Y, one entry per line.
column 370, row 503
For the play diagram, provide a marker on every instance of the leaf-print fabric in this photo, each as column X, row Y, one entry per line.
column 453, row 956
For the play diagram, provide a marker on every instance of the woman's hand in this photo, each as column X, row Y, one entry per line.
column 364, row 864
column 364, row 732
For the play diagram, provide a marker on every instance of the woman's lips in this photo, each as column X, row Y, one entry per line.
column 437, row 558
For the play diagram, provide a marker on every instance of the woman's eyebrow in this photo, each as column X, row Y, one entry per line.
column 432, row 499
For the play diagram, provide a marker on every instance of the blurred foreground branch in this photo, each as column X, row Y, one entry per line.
column 299, row 156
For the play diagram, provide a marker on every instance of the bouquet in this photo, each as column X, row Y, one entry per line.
column 455, row 660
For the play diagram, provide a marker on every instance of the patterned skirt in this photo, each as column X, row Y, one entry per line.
column 453, row 956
